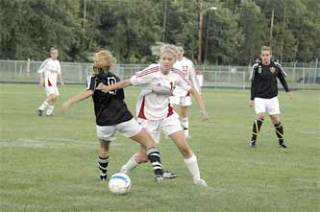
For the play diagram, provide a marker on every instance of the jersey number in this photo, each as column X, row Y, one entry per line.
column 111, row 81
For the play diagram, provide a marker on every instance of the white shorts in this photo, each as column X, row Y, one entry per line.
column 270, row 106
column 51, row 90
column 168, row 125
column 181, row 100
column 129, row 128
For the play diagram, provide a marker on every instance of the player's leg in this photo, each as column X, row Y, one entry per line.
column 185, row 102
column 135, row 160
column 134, row 131
column 103, row 158
column 184, row 120
column 274, row 112
column 190, row 158
column 43, row 107
column 260, row 108
column 106, row 135
column 52, row 98
column 173, row 129
column 141, row 157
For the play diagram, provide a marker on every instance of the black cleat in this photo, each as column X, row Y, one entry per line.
column 40, row 112
column 252, row 144
column 282, row 144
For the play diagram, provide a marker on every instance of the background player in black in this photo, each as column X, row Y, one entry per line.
column 264, row 92
column 113, row 115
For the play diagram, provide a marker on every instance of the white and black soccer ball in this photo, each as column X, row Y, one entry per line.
column 119, row 183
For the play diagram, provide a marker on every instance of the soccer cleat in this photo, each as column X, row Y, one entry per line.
column 168, row 175
column 252, row 144
column 200, row 182
column 40, row 112
column 282, row 144
column 103, row 177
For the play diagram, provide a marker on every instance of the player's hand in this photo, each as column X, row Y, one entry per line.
column 66, row 106
column 204, row 115
column 251, row 103
column 290, row 95
column 102, row 87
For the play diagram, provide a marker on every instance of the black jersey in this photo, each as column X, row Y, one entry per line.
column 264, row 80
column 110, row 108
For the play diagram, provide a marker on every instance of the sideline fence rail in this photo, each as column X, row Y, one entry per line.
column 19, row 71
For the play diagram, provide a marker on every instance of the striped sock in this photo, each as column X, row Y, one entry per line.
column 279, row 132
column 256, row 129
column 155, row 160
column 103, row 167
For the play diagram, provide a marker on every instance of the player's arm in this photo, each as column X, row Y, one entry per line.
column 136, row 79
column 72, row 100
column 186, row 86
column 199, row 102
column 41, row 72
column 194, row 79
column 281, row 76
column 253, row 86
column 106, row 88
column 41, row 79
column 60, row 76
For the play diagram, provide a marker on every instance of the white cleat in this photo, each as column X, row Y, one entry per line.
column 200, row 182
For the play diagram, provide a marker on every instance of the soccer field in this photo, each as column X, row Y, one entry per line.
column 49, row 163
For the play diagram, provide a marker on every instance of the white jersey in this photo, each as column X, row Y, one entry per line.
column 189, row 74
column 153, row 102
column 50, row 68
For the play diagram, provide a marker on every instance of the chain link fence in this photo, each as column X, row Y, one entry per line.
column 15, row 71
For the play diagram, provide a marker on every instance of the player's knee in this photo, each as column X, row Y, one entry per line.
column 275, row 119
column 104, row 144
column 184, row 112
column 260, row 115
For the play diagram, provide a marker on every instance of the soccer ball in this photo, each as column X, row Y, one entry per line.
column 119, row 183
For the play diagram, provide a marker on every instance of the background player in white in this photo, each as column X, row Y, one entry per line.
column 49, row 72
column 155, row 112
column 180, row 96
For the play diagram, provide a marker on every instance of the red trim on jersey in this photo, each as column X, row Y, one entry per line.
column 170, row 110
column 49, row 83
column 181, row 74
column 147, row 71
column 141, row 111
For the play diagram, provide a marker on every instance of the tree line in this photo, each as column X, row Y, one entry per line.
column 232, row 34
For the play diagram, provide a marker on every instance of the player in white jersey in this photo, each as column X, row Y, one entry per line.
column 155, row 112
column 181, row 97
column 49, row 72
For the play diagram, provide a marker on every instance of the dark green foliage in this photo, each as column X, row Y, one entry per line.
column 233, row 34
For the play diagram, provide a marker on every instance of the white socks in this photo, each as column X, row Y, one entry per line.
column 130, row 165
column 185, row 126
column 43, row 106
column 192, row 165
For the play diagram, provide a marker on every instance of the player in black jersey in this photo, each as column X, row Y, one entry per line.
column 113, row 115
column 264, row 94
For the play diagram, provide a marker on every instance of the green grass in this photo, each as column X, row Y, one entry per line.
column 49, row 163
